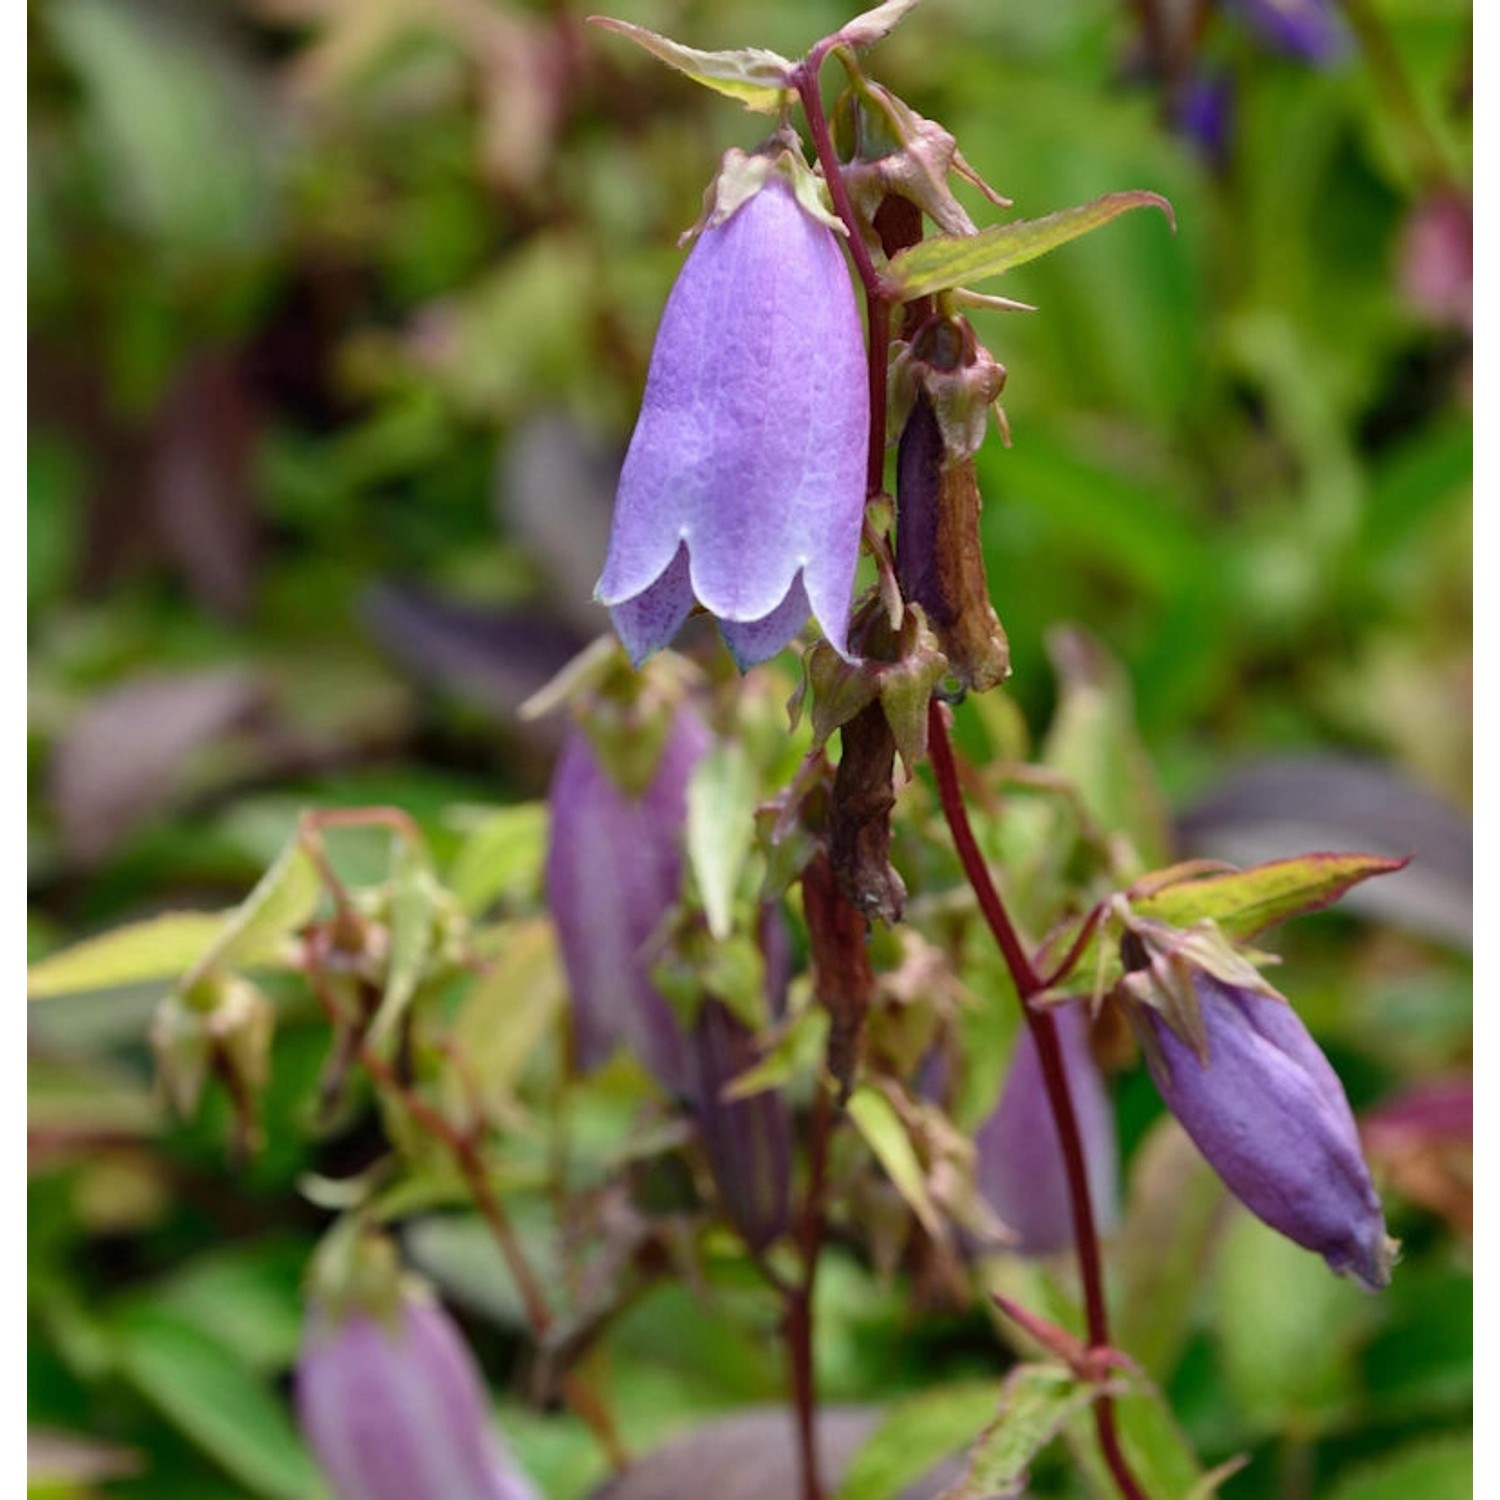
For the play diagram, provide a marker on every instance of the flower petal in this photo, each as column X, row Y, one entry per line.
column 646, row 622
column 757, row 640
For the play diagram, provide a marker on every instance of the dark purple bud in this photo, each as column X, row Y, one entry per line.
column 744, row 486
column 614, row 872
column 394, row 1407
column 1203, row 115
column 1019, row 1167
column 1267, row 1111
column 1306, row 29
column 748, row 1142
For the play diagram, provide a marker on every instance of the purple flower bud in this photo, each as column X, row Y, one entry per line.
column 744, row 486
column 748, row 1142
column 614, row 870
column 1268, row 1112
column 1019, row 1167
column 1307, row 29
column 395, row 1408
column 1203, row 115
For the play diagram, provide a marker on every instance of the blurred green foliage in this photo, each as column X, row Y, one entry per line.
column 315, row 287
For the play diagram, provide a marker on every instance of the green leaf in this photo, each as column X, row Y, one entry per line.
column 720, row 828
column 1288, row 1331
column 413, row 913
column 1035, row 1403
column 915, row 1435
column 876, row 1120
column 158, row 948
column 1163, row 1245
column 757, row 78
column 502, row 855
column 1159, row 1455
column 206, row 1391
column 284, row 900
column 1094, row 743
column 947, row 261
column 1246, row 902
column 506, row 1014
column 1441, row 1469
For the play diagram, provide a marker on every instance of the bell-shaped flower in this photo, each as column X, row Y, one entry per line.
column 1266, row 1109
column 1019, row 1167
column 614, row 871
column 744, row 484
column 394, row 1407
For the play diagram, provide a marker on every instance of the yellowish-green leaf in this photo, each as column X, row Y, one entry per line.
column 158, row 948
column 915, row 1436
column 1035, row 1403
column 501, row 856
column 720, row 827
column 284, row 900
column 754, row 76
column 947, row 261
column 507, row 1013
column 876, row 1120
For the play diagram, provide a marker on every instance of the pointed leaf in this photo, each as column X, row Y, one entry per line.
column 915, row 1436
column 720, row 827
column 757, row 78
column 158, row 948
column 1436, row 1469
column 284, row 900
column 1246, row 902
column 1035, row 1403
column 206, row 1391
column 867, row 29
column 877, row 1121
column 947, row 261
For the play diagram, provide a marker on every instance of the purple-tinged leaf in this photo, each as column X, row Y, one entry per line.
column 757, row 78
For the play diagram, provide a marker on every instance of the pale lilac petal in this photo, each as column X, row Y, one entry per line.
column 397, row 1410
column 751, row 442
column 648, row 621
column 1020, row 1170
column 1270, row 1115
column 757, row 640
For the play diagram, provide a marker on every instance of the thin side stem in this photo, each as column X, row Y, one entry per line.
column 799, row 1301
column 1043, row 1030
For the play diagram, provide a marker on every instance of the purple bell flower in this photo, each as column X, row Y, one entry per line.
column 744, row 485
column 614, row 870
column 1307, row 29
column 395, row 1408
column 1019, row 1167
column 1269, row 1114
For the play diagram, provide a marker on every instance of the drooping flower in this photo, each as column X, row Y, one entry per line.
column 1266, row 1109
column 1019, row 1165
column 614, row 871
column 394, row 1407
column 744, row 484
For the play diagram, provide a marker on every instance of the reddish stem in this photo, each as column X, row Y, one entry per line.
column 1054, row 1075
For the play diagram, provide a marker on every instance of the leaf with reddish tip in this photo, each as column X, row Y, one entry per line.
column 1246, row 902
column 947, row 261
column 757, row 78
